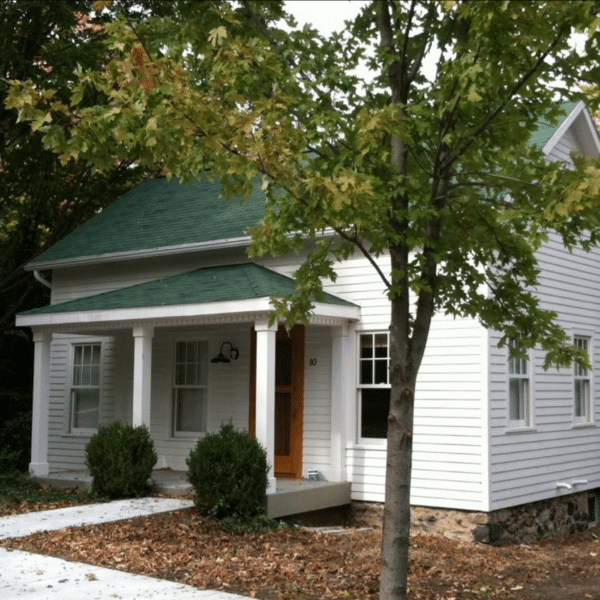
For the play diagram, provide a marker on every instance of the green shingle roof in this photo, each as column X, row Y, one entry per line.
column 546, row 129
column 158, row 214
column 237, row 282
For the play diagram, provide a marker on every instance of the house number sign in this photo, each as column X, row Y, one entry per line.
column 312, row 362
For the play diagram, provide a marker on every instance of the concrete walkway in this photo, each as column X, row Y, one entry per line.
column 37, row 577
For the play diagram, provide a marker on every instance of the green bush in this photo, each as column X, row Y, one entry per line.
column 120, row 459
column 228, row 471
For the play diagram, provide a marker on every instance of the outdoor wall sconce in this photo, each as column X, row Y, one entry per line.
column 233, row 353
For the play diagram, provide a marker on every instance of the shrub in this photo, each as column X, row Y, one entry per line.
column 228, row 471
column 120, row 459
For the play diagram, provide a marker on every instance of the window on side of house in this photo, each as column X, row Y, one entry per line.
column 85, row 387
column 582, row 385
column 519, row 399
column 373, row 385
column 190, row 387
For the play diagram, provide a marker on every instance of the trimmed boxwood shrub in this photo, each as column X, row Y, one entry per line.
column 228, row 471
column 120, row 459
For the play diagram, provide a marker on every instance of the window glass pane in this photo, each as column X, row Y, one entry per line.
column 190, row 374
column 190, row 410
column 87, row 355
column 96, row 354
column 283, row 362
column 192, row 352
column 179, row 374
column 579, row 398
column 283, row 425
column 375, row 406
column 366, row 346
column 77, row 375
column 381, row 345
column 381, row 371
column 86, row 404
column 366, row 371
column 85, row 374
column 78, row 355
column 517, row 390
column 180, row 352
column 95, row 375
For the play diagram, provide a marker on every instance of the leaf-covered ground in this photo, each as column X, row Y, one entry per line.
column 302, row 564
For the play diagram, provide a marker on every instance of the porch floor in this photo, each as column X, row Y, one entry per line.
column 291, row 497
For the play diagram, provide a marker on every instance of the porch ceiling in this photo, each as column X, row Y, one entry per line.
column 232, row 290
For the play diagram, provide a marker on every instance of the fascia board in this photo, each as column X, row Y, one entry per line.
column 115, row 315
column 95, row 259
column 132, row 254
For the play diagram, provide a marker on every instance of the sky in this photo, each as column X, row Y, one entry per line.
column 326, row 15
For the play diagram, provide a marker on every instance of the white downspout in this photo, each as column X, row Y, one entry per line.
column 43, row 281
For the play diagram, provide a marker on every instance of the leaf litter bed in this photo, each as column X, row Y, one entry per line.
column 305, row 564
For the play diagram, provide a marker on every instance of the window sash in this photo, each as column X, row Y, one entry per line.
column 85, row 386
column 190, row 410
column 190, row 387
column 581, row 385
column 374, row 359
column 519, row 398
column 373, row 385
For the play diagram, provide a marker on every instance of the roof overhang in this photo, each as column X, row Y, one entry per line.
column 182, row 314
column 232, row 293
column 94, row 259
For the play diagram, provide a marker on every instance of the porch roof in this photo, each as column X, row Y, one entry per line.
column 217, row 289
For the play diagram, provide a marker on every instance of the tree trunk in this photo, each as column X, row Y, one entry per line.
column 396, row 515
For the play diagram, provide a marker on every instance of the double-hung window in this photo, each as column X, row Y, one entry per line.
column 519, row 401
column 582, row 385
column 190, row 387
column 85, row 387
column 373, row 385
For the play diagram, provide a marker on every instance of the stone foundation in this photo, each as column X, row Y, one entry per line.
column 518, row 524
column 556, row 516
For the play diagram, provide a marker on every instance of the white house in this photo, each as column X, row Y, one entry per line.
column 155, row 287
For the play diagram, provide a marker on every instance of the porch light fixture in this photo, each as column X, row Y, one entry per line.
column 233, row 354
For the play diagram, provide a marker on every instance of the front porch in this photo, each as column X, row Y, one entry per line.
column 152, row 355
column 291, row 496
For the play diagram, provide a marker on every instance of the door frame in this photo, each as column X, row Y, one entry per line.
column 291, row 468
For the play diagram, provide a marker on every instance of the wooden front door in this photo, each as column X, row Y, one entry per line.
column 289, row 400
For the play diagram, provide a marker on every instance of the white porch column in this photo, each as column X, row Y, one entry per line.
column 265, row 393
column 142, row 374
column 41, row 404
column 343, row 396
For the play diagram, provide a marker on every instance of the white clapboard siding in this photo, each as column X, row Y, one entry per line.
column 449, row 404
column 525, row 466
column 317, row 401
column 69, row 283
column 66, row 450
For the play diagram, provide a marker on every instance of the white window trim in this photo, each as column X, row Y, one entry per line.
column 526, row 424
column 189, row 337
column 70, row 419
column 588, row 419
column 365, row 441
